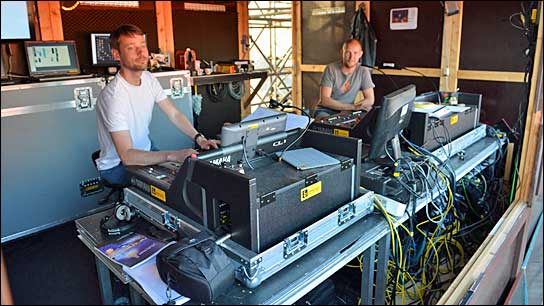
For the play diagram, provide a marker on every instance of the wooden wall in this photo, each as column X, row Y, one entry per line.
column 490, row 55
column 212, row 34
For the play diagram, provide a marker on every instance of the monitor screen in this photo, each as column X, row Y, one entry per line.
column 236, row 133
column 101, row 50
column 47, row 58
column 393, row 116
column 15, row 20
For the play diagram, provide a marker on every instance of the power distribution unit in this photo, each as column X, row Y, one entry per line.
column 429, row 133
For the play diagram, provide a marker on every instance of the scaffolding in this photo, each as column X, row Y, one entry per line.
column 271, row 49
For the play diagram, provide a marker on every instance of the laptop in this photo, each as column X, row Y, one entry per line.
column 53, row 60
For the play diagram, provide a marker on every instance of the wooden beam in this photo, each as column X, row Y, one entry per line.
column 508, row 162
column 428, row 72
column 297, row 52
column 242, row 12
column 451, row 49
column 529, row 143
column 366, row 5
column 311, row 68
column 50, row 21
column 165, row 29
column 500, row 76
column 243, row 29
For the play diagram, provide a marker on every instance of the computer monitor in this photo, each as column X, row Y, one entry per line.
column 393, row 116
column 15, row 23
column 247, row 132
column 50, row 58
column 101, row 50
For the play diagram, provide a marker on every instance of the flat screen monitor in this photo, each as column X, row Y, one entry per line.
column 101, row 50
column 393, row 116
column 51, row 58
column 15, row 23
column 238, row 133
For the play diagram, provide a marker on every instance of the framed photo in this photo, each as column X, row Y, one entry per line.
column 403, row 18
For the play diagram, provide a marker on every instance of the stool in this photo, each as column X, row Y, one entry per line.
column 115, row 188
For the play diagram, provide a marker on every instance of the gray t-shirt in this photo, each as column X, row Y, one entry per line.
column 345, row 87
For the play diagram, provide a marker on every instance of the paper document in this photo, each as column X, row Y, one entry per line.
column 441, row 113
column 133, row 250
column 426, row 107
column 147, row 276
column 293, row 121
column 457, row 109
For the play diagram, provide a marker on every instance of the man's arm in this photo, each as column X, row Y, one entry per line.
column 130, row 156
column 368, row 101
column 326, row 100
column 183, row 124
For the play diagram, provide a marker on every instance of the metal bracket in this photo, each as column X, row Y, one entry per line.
column 179, row 87
column 310, row 180
column 295, row 243
column 84, row 99
column 346, row 164
column 267, row 198
column 346, row 213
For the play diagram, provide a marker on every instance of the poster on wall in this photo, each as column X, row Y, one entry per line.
column 403, row 18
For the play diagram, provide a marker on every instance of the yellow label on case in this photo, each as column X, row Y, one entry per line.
column 253, row 126
column 310, row 191
column 341, row 132
column 454, row 119
column 158, row 193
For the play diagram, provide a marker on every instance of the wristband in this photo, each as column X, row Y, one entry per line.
column 196, row 137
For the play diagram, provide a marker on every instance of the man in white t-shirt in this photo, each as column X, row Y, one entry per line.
column 124, row 110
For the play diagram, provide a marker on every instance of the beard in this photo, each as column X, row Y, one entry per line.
column 349, row 64
column 137, row 65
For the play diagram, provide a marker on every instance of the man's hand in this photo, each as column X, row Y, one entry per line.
column 363, row 105
column 207, row 144
column 180, row 155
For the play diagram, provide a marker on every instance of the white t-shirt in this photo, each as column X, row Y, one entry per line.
column 125, row 107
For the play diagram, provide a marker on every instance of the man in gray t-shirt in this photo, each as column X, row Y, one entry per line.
column 341, row 81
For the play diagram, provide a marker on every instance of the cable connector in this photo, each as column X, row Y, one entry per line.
column 391, row 66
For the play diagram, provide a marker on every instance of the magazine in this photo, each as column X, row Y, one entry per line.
column 133, row 250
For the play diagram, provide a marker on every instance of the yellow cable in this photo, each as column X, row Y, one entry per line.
column 71, row 8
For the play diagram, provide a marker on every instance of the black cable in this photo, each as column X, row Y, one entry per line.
column 275, row 104
column 424, row 76
column 385, row 74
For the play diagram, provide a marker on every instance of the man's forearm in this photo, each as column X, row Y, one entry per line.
column 336, row 105
column 183, row 124
column 134, row 157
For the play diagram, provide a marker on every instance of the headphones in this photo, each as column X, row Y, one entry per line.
column 120, row 223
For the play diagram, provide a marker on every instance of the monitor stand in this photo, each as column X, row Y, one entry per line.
column 379, row 173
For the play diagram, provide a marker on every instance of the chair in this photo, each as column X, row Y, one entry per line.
column 115, row 188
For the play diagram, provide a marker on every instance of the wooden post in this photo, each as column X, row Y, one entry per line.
column 243, row 49
column 50, row 20
column 532, row 128
column 165, row 29
column 366, row 4
column 7, row 298
column 451, row 49
column 297, row 53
